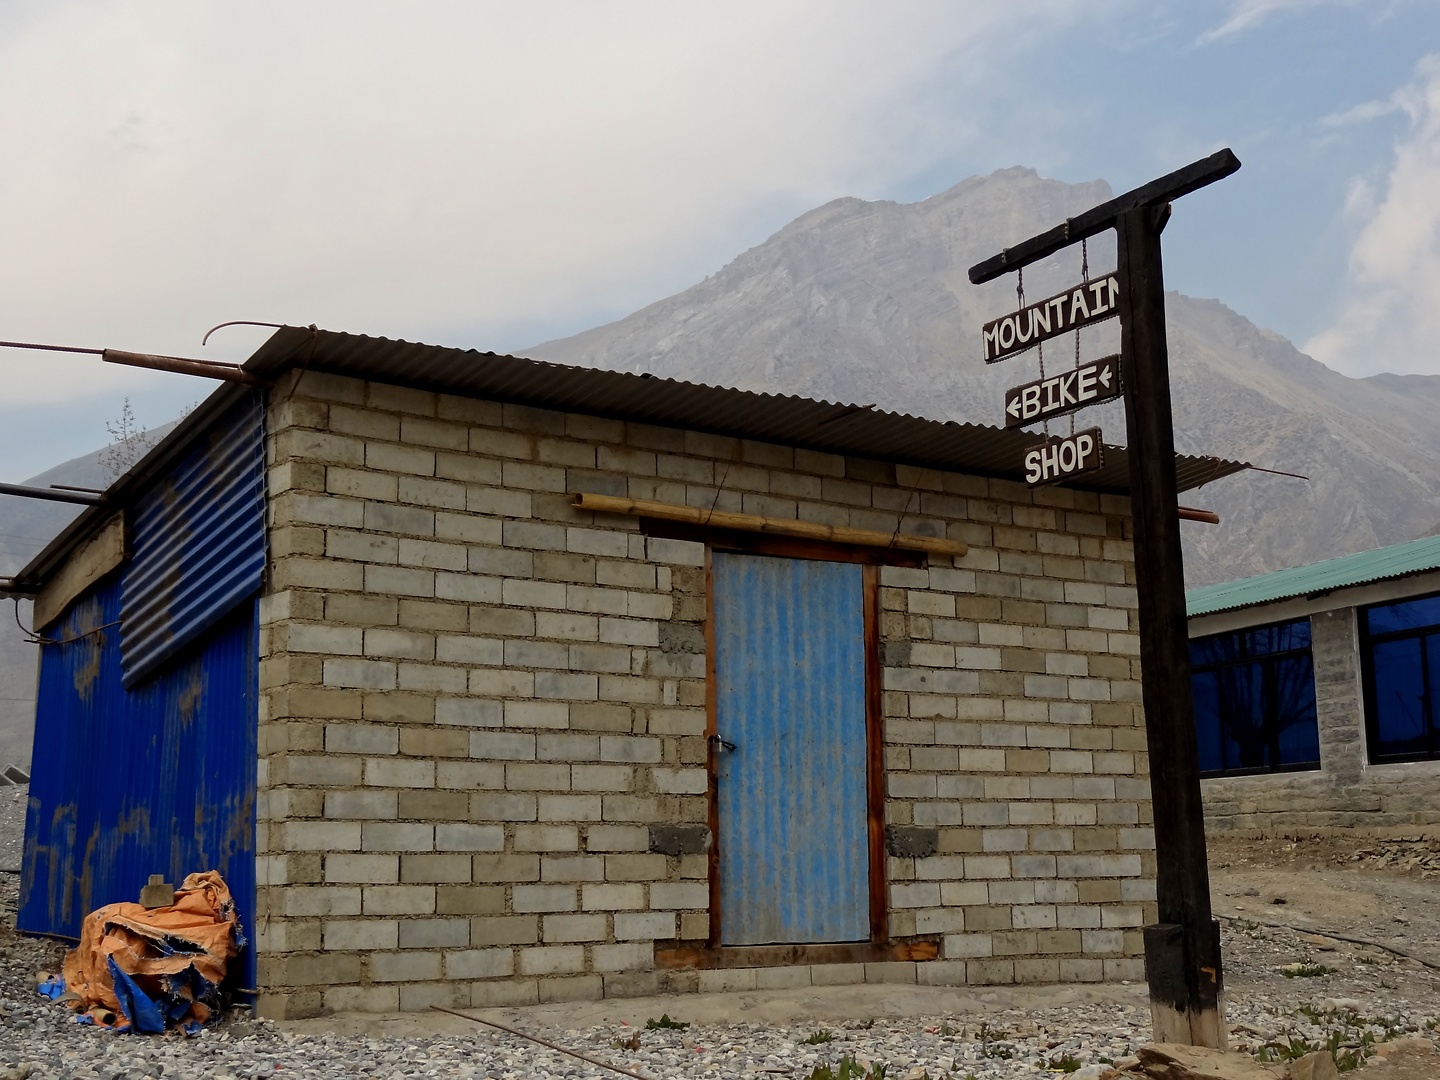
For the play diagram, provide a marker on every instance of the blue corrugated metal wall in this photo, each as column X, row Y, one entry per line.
column 145, row 733
column 199, row 542
column 129, row 783
column 790, row 694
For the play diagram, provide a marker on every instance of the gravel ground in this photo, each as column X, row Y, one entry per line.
column 1366, row 991
column 1350, row 993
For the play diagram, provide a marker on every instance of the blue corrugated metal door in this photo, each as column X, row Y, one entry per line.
column 790, row 696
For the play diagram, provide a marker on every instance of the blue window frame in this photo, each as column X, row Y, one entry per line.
column 1255, row 700
column 1400, row 659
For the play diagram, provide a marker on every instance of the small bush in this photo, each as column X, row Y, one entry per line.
column 848, row 1069
column 1306, row 969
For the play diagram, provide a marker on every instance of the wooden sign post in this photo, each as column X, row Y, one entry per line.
column 1182, row 951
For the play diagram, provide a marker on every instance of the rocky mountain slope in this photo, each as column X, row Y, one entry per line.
column 868, row 302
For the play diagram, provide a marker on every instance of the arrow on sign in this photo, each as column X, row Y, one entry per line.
column 1089, row 384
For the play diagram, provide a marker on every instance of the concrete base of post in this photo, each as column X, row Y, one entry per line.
column 1204, row 1027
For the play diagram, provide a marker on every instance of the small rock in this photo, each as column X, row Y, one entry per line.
column 1405, row 1046
column 1172, row 1061
column 1317, row 1066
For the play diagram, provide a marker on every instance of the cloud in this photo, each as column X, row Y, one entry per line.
column 448, row 171
column 1389, row 319
column 1363, row 113
column 1248, row 14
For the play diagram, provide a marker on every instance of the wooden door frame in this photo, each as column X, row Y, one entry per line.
column 874, row 754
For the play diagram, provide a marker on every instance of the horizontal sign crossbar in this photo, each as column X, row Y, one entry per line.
column 1192, row 177
column 1089, row 384
column 1092, row 302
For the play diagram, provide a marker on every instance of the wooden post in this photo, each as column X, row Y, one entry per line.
column 1182, row 952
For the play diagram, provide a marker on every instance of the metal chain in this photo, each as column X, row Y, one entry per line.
column 1085, row 278
column 1040, row 345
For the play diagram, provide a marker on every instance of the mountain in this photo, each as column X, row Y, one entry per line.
column 869, row 303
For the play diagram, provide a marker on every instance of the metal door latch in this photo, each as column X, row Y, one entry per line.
column 717, row 743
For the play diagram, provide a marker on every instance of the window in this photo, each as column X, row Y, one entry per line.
column 1400, row 651
column 1255, row 700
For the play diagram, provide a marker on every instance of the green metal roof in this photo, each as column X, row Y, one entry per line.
column 1414, row 557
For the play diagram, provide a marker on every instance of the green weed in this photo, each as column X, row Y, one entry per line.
column 848, row 1069
column 990, row 1045
column 1306, row 969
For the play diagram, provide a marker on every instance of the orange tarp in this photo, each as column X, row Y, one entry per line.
column 197, row 931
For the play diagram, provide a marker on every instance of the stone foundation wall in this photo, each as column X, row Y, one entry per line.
column 1346, row 792
column 482, row 760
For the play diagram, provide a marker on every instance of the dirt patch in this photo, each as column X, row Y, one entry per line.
column 1380, row 891
column 1412, row 1059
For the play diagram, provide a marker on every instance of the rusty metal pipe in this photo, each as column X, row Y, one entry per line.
column 210, row 369
column 1189, row 513
column 47, row 348
column 49, row 494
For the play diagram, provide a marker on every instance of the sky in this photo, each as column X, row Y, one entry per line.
column 492, row 175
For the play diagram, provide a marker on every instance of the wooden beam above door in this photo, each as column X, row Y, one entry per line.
column 805, row 530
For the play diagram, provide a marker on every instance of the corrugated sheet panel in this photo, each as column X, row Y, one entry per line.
column 857, row 430
column 198, row 540
column 1399, row 560
column 127, row 783
column 790, row 694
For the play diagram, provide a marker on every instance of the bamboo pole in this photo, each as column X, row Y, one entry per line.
column 1189, row 513
column 805, row 530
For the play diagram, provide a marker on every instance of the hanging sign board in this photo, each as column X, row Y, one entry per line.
column 1064, row 457
column 1089, row 384
column 1080, row 306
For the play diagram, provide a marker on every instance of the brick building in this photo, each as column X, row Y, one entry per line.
column 1313, row 693
column 818, row 693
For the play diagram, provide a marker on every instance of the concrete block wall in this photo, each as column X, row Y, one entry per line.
column 1346, row 792
column 482, row 762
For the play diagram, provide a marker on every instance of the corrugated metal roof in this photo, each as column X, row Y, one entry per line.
column 855, row 430
column 1414, row 557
